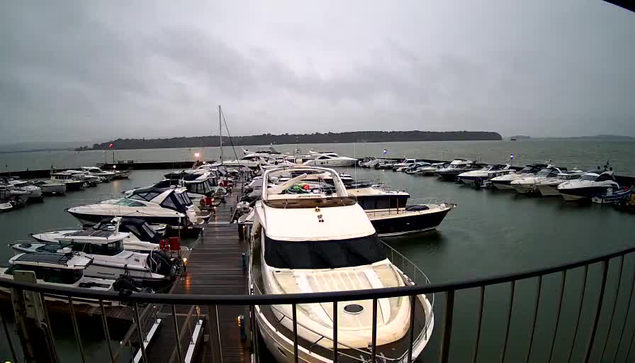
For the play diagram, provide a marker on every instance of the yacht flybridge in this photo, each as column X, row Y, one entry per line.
column 308, row 239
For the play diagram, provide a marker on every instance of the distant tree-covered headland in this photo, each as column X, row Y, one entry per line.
column 315, row 138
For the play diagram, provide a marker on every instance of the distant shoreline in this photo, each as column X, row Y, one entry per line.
column 315, row 138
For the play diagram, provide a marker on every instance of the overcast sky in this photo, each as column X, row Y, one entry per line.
column 97, row 70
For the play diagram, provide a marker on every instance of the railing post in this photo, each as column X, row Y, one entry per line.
column 413, row 309
column 8, row 335
column 479, row 323
column 78, row 337
column 335, row 325
column 509, row 319
column 628, row 309
column 177, row 335
column 447, row 326
column 617, row 295
column 598, row 311
column 577, row 322
column 295, row 332
column 104, row 322
column 374, row 332
column 555, row 331
column 533, row 326
column 135, row 307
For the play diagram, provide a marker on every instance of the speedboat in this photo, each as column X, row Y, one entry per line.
column 549, row 186
column 330, row 159
column 391, row 216
column 430, row 170
column 109, row 258
column 34, row 191
column 52, row 269
column 414, row 169
column 456, row 167
column 479, row 177
column 590, row 184
column 72, row 180
column 16, row 197
column 51, row 187
column 89, row 179
column 198, row 182
column 503, row 182
column 95, row 171
column 142, row 236
column 403, row 163
column 529, row 184
column 163, row 206
column 306, row 240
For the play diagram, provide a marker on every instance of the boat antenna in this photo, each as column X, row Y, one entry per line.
column 220, row 130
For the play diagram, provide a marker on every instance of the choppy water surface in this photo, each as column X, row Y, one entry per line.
column 489, row 233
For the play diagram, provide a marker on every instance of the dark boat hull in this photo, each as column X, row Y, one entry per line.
column 580, row 194
column 408, row 222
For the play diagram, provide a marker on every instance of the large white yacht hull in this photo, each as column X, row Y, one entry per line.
column 282, row 347
column 548, row 190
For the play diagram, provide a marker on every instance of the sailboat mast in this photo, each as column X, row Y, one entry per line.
column 220, row 128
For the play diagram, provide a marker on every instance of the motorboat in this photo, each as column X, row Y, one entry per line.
column 96, row 171
column 403, row 163
column 390, row 214
column 15, row 197
column 331, row 159
column 109, row 258
column 313, row 240
column 590, row 184
column 34, row 191
column 198, row 182
column 549, row 186
column 121, row 174
column 51, row 187
column 170, row 206
column 456, row 167
column 52, row 269
column 529, row 184
column 503, row 182
column 73, row 181
column 617, row 197
column 429, row 170
column 480, row 176
column 90, row 180
column 5, row 206
column 142, row 237
column 414, row 168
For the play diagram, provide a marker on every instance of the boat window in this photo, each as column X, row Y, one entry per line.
column 151, row 233
column 604, row 177
column 323, row 254
column 61, row 276
column 127, row 202
column 590, row 177
column 543, row 173
column 169, row 203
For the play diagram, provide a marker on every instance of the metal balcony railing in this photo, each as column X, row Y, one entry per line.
column 611, row 288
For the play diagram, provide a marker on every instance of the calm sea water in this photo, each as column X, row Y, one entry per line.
column 489, row 233
column 566, row 153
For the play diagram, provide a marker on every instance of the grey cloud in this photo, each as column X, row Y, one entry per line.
column 99, row 70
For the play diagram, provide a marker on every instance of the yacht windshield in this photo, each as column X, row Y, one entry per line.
column 323, row 254
column 543, row 173
column 590, row 177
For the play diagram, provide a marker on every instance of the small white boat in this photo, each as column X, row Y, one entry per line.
column 34, row 191
column 481, row 176
column 97, row 172
column 52, row 187
column 549, row 186
column 330, row 159
column 503, row 182
column 59, row 270
column 72, row 179
column 591, row 184
column 529, row 184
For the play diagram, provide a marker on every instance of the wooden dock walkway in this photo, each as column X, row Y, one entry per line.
column 214, row 267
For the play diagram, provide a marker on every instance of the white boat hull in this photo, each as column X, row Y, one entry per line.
column 282, row 348
column 524, row 188
column 548, row 190
column 53, row 188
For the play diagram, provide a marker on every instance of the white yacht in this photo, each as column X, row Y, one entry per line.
column 403, row 163
column 456, row 167
column 142, row 237
column 109, row 258
column 34, row 191
column 51, row 187
column 429, row 170
column 591, row 184
column 549, row 186
column 162, row 206
column 58, row 270
column 72, row 180
column 503, row 182
column 478, row 177
column 198, row 182
column 330, row 159
column 529, row 184
column 307, row 240
column 95, row 171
